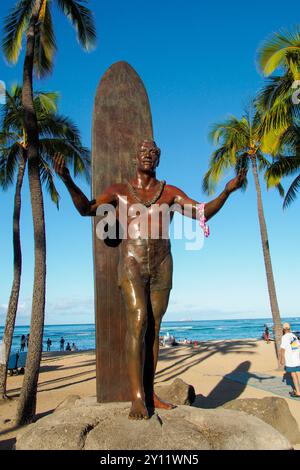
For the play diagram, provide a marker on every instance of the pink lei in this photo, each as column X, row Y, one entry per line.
column 202, row 219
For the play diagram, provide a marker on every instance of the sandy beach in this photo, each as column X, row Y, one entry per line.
column 204, row 367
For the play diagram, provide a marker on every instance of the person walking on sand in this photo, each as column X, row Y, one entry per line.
column 266, row 334
column 290, row 356
column 49, row 342
column 23, row 343
column 62, row 344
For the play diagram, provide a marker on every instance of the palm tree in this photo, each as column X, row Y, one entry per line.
column 239, row 146
column 281, row 116
column 56, row 134
column 33, row 19
column 281, row 51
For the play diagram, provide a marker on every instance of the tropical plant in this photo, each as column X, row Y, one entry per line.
column 287, row 164
column 238, row 144
column 280, row 50
column 56, row 134
column 33, row 19
column 281, row 122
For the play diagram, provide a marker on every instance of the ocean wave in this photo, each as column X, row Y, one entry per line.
column 177, row 328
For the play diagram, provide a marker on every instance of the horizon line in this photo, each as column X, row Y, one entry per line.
column 169, row 321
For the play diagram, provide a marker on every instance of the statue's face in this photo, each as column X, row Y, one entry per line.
column 148, row 156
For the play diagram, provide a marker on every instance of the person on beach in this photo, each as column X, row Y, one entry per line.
column 49, row 342
column 62, row 344
column 266, row 334
column 290, row 356
column 68, row 347
column 23, row 343
column 74, row 347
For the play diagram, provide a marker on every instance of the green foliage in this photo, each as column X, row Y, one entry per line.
column 82, row 20
column 15, row 25
column 292, row 192
column 281, row 117
column 281, row 49
column 18, row 20
column 287, row 163
column 237, row 140
column 58, row 134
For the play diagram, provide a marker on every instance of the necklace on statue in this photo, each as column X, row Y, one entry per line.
column 149, row 203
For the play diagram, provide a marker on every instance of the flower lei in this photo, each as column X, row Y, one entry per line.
column 202, row 219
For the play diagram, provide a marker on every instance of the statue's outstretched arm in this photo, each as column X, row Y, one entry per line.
column 84, row 206
column 191, row 207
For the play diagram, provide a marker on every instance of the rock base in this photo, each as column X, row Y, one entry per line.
column 272, row 410
column 86, row 425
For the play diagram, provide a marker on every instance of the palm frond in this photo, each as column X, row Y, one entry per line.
column 233, row 133
column 292, row 192
column 82, row 163
column 291, row 139
column 14, row 26
column 82, row 19
column 277, row 89
column 242, row 164
column 220, row 161
column 284, row 166
column 45, row 43
column 280, row 50
column 263, row 162
column 55, row 126
column 77, row 158
column 45, row 103
column 12, row 111
column 2, row 173
column 271, row 139
column 9, row 161
column 48, row 181
column 280, row 189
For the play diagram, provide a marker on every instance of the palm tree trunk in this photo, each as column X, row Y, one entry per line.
column 15, row 291
column 27, row 401
column 267, row 259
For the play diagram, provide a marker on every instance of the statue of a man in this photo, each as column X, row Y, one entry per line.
column 145, row 270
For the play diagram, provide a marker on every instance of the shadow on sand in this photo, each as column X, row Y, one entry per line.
column 226, row 390
column 194, row 356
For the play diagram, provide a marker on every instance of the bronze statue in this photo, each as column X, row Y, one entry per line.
column 145, row 270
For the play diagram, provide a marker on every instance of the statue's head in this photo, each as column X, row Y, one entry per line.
column 148, row 156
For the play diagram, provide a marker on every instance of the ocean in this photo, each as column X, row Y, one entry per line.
column 84, row 335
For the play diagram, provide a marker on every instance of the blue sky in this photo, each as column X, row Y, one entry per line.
column 197, row 60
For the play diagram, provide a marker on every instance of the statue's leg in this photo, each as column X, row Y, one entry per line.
column 159, row 300
column 136, row 311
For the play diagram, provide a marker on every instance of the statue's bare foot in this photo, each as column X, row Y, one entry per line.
column 4, row 397
column 158, row 403
column 138, row 410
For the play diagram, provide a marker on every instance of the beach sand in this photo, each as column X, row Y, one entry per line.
column 204, row 367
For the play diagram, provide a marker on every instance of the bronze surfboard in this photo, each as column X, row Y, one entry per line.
column 121, row 120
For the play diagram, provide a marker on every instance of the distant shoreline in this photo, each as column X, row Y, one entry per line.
column 49, row 354
column 262, row 319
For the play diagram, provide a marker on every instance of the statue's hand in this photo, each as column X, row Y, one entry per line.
column 59, row 166
column 236, row 182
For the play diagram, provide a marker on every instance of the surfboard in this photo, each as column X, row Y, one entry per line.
column 121, row 120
